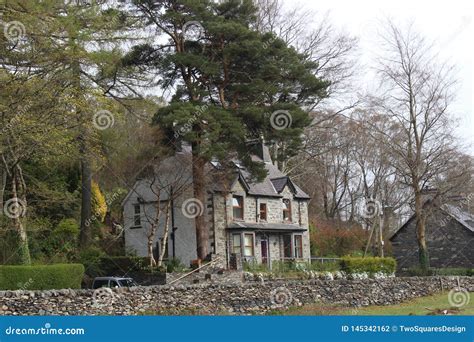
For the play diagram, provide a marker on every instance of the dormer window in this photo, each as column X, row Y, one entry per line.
column 238, row 207
column 286, row 210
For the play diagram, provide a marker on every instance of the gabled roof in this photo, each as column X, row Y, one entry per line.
column 271, row 186
column 461, row 216
column 280, row 183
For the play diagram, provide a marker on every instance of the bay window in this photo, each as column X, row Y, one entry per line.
column 298, row 246
column 243, row 243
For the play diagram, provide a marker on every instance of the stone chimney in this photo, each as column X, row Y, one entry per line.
column 260, row 149
column 429, row 194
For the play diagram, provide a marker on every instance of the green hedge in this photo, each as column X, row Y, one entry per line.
column 369, row 265
column 450, row 271
column 41, row 277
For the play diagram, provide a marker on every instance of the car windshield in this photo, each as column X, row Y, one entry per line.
column 127, row 282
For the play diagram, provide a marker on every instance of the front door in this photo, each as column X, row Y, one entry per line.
column 264, row 246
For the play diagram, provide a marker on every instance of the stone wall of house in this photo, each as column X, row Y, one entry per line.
column 246, row 298
column 449, row 243
column 220, row 234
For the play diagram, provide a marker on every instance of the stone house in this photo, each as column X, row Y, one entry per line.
column 449, row 237
column 260, row 222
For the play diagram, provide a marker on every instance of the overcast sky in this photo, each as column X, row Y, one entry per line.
column 448, row 23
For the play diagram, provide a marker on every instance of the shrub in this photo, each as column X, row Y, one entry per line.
column 41, row 277
column 91, row 259
column 451, row 271
column 254, row 267
column 175, row 265
column 324, row 266
column 121, row 265
column 99, row 204
column 369, row 265
column 334, row 238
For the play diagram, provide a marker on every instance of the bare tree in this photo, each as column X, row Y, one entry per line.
column 418, row 91
column 168, row 181
column 333, row 50
column 313, row 35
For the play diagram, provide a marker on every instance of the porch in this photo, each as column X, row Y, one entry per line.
column 266, row 244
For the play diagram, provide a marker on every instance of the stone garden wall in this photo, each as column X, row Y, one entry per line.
column 244, row 298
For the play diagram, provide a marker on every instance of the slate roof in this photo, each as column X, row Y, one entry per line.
column 271, row 186
column 265, row 226
column 279, row 183
column 463, row 217
column 274, row 182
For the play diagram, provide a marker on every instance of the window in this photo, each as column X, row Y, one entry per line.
column 263, row 211
column 298, row 240
column 113, row 283
column 236, row 244
column 287, row 246
column 248, row 245
column 247, row 249
column 286, row 210
column 238, row 207
column 100, row 283
column 127, row 282
column 137, row 221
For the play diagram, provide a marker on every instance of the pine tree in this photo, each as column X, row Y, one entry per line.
column 230, row 84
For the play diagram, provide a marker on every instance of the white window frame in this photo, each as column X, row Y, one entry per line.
column 241, row 236
column 137, row 216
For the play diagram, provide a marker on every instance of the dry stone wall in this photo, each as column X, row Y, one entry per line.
column 244, row 298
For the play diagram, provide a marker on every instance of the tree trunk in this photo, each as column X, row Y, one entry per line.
column 163, row 248
column 23, row 249
column 151, row 238
column 86, row 201
column 3, row 183
column 421, row 233
column 154, row 225
column 199, row 188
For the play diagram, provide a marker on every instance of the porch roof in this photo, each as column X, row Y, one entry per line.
column 277, row 227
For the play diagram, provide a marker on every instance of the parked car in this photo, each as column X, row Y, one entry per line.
column 113, row 282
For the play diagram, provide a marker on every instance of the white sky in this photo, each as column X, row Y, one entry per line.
column 448, row 23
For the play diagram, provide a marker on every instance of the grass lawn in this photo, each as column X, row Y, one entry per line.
column 431, row 305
